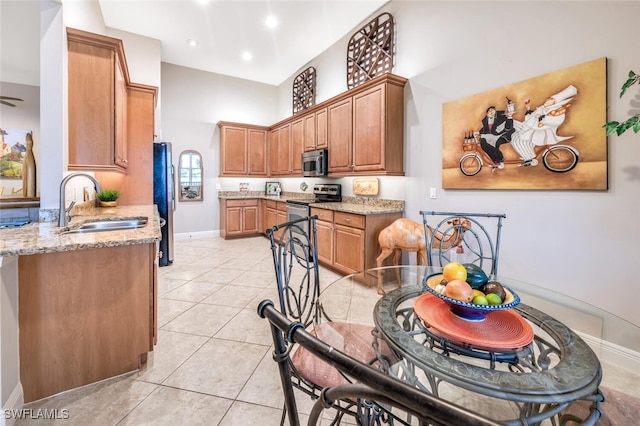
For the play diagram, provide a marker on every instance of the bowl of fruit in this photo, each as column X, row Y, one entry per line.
column 470, row 294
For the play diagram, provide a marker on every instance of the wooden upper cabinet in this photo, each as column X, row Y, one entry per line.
column 97, row 90
column 121, row 95
column 284, row 150
column 340, row 136
column 322, row 140
column 297, row 145
column 257, row 140
column 369, row 130
column 315, row 130
column 370, row 140
column 243, row 149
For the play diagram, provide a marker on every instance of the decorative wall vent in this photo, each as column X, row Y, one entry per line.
column 304, row 90
column 371, row 51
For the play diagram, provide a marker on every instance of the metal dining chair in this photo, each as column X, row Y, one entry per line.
column 368, row 384
column 295, row 259
column 463, row 237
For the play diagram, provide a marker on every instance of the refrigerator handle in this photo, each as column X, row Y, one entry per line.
column 173, row 188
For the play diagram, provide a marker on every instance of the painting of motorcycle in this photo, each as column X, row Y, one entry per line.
column 544, row 133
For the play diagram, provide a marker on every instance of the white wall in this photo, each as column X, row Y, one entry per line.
column 581, row 243
column 193, row 103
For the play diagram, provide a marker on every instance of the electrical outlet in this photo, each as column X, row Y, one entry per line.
column 432, row 193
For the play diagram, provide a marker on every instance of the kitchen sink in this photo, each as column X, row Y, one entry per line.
column 108, row 225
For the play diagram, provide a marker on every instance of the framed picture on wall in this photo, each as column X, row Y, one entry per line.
column 542, row 133
column 272, row 188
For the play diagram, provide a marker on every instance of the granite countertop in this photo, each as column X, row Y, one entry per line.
column 47, row 237
column 358, row 205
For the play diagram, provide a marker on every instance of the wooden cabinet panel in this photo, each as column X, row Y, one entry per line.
column 84, row 316
column 284, row 151
column 239, row 217
column 121, row 153
column 324, row 235
column 274, row 152
column 349, row 219
column 257, row 142
column 250, row 220
column 340, row 136
column 349, row 247
column 297, row 145
column 369, row 130
column 243, row 149
column 97, row 85
column 309, row 132
column 233, row 151
column 136, row 187
column 322, row 140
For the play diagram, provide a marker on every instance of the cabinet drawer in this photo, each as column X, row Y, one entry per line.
column 325, row 215
column 349, row 219
column 271, row 204
column 281, row 206
column 242, row 203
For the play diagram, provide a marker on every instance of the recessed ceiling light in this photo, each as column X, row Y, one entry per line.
column 247, row 56
column 271, row 21
column 192, row 42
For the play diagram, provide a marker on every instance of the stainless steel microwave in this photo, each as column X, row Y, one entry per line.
column 315, row 163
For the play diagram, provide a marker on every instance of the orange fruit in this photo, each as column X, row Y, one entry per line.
column 460, row 290
column 454, row 271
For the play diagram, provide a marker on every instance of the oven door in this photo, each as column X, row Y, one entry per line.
column 298, row 211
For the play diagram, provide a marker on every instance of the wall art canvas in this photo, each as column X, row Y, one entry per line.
column 13, row 150
column 544, row 133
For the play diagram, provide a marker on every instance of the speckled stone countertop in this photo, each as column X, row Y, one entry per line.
column 47, row 237
column 358, row 205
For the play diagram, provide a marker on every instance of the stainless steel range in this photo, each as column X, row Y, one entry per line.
column 324, row 193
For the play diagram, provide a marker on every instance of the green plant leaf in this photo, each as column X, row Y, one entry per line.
column 611, row 127
column 108, row 195
column 633, row 79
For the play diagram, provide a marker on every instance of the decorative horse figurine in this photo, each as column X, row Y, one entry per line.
column 405, row 234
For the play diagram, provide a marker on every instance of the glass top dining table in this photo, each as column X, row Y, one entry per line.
column 576, row 361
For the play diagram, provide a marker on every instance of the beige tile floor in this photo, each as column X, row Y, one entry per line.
column 212, row 364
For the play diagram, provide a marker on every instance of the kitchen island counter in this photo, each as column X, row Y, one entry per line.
column 47, row 237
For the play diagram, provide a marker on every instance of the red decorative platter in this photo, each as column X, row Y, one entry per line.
column 502, row 330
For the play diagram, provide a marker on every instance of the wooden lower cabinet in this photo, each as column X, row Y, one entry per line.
column 239, row 218
column 348, row 242
column 84, row 316
column 324, row 235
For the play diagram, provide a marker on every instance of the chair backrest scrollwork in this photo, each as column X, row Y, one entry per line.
column 464, row 237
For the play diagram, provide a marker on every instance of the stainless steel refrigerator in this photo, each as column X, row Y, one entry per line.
column 164, row 197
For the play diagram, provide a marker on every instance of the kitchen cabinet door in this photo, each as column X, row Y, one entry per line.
column 137, row 186
column 97, row 86
column 257, row 143
column 121, row 153
column 284, row 150
column 340, row 136
column 349, row 249
column 297, row 146
column 322, row 140
column 309, row 132
column 243, row 149
column 369, row 130
column 239, row 218
column 324, row 235
column 233, row 151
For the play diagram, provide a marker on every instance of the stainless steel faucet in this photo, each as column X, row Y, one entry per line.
column 64, row 211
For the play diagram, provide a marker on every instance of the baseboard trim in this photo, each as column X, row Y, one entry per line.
column 612, row 353
column 15, row 402
column 190, row 235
